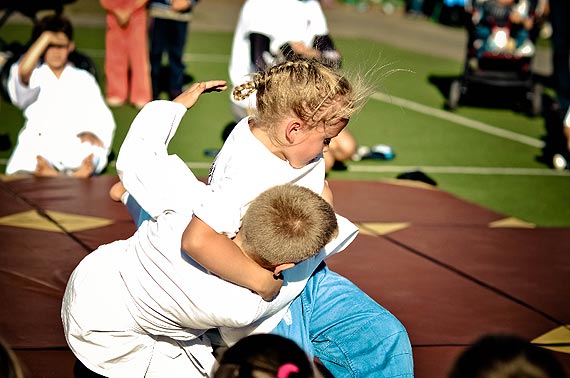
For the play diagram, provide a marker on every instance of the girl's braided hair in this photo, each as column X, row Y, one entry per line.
column 305, row 88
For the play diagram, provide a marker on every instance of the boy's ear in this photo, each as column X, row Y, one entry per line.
column 71, row 47
column 282, row 267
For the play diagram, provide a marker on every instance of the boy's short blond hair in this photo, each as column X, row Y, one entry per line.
column 287, row 224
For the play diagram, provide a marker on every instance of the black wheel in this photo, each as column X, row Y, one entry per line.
column 454, row 95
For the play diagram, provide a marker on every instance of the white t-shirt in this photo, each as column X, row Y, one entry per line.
column 56, row 111
column 163, row 301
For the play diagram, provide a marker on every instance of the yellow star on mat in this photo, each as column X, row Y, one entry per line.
column 69, row 222
column 375, row 229
column 557, row 339
column 511, row 223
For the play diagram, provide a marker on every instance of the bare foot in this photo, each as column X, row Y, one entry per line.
column 86, row 168
column 117, row 191
column 44, row 169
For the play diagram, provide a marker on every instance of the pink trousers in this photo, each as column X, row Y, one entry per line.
column 127, row 68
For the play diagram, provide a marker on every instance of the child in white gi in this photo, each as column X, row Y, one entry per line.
column 270, row 32
column 69, row 128
column 301, row 105
column 139, row 307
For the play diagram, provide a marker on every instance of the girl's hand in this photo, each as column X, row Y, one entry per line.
column 271, row 288
column 190, row 96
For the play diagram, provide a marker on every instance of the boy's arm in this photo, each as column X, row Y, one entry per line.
column 217, row 253
column 30, row 59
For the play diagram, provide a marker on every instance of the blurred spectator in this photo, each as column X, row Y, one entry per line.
column 126, row 53
column 510, row 14
column 506, row 356
column 10, row 366
column 415, row 7
column 268, row 32
column 68, row 129
column 265, row 356
column 169, row 25
column 559, row 14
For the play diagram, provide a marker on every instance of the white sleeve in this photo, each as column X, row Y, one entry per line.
column 157, row 181
column 20, row 94
column 99, row 120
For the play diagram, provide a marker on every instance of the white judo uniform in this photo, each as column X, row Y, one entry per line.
column 56, row 111
column 281, row 21
column 140, row 307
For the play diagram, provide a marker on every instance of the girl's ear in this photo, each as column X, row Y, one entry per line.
column 293, row 131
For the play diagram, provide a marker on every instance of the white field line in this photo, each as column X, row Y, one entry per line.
column 485, row 171
column 459, row 120
column 488, row 171
column 438, row 113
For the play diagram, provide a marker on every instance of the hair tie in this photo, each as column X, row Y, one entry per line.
column 286, row 369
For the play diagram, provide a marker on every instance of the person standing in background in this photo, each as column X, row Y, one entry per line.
column 126, row 53
column 559, row 13
column 168, row 32
column 268, row 32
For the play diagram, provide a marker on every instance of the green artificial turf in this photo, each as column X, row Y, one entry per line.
column 420, row 141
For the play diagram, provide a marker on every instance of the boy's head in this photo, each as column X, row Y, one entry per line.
column 57, row 53
column 506, row 356
column 287, row 224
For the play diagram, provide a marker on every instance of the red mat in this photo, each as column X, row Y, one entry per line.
column 430, row 258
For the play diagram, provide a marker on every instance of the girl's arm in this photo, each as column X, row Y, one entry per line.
column 219, row 254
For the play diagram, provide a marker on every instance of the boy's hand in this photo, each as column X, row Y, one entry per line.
column 190, row 96
column 90, row 138
column 123, row 17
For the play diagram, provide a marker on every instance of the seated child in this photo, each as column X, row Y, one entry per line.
column 69, row 128
column 510, row 14
column 162, row 301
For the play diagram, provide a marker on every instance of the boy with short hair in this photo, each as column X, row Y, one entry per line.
column 69, row 128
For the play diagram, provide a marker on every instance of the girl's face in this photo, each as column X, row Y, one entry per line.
column 313, row 142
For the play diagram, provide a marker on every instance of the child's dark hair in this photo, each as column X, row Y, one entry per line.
column 265, row 355
column 54, row 23
column 506, row 356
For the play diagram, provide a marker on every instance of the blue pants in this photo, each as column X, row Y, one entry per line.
column 352, row 335
column 335, row 321
column 167, row 36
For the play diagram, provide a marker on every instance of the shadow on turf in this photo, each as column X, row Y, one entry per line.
column 554, row 139
column 486, row 97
